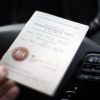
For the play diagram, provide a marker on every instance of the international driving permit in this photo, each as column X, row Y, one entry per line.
column 43, row 51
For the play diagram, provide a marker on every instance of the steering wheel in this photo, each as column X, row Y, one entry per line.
column 87, row 50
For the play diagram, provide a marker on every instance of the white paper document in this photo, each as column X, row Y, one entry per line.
column 43, row 51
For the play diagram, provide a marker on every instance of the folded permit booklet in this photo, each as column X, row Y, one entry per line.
column 43, row 51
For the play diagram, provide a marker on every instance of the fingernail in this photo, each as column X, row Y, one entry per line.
column 13, row 93
column 3, row 72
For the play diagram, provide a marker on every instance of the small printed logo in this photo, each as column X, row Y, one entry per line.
column 20, row 53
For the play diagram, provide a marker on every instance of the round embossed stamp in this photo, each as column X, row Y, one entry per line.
column 20, row 53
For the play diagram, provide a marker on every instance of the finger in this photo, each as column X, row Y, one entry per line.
column 3, row 73
column 11, row 94
column 6, row 86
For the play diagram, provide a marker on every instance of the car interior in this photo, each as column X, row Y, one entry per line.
column 82, row 80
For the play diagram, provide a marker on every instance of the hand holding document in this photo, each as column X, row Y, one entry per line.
column 43, row 51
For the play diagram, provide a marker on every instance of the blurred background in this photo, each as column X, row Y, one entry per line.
column 17, row 11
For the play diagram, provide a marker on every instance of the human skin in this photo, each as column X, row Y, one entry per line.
column 8, row 89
